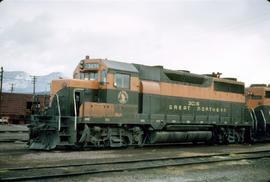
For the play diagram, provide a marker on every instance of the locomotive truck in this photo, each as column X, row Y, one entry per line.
column 116, row 104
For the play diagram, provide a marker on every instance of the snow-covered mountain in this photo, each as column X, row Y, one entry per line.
column 23, row 82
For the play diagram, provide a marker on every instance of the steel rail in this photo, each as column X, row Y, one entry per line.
column 129, row 161
column 9, row 174
column 11, row 136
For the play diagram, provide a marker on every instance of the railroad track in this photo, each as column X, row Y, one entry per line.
column 11, row 133
column 42, row 172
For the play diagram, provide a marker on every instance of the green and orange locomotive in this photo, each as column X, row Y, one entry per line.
column 117, row 104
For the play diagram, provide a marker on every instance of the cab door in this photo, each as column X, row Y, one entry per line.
column 126, row 93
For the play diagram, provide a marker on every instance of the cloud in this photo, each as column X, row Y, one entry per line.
column 200, row 36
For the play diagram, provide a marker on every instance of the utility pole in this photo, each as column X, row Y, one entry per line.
column 1, row 87
column 34, row 100
column 12, row 88
column 34, row 84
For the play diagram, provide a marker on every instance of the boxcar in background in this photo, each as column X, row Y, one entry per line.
column 17, row 107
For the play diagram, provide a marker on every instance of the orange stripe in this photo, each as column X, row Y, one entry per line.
column 176, row 90
column 259, row 91
column 158, row 88
column 57, row 85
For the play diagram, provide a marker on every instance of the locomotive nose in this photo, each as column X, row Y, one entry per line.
column 60, row 84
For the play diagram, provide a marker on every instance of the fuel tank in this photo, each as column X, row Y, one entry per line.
column 180, row 136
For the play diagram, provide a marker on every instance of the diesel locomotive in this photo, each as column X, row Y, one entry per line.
column 258, row 102
column 116, row 104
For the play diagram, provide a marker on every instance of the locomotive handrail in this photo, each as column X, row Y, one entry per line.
column 255, row 120
column 75, row 108
column 251, row 115
column 59, row 111
column 264, row 121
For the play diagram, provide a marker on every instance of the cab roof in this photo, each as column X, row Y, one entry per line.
column 121, row 66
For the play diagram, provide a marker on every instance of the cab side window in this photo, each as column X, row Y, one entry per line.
column 89, row 76
column 122, row 80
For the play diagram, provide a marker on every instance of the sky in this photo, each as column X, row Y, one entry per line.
column 202, row 36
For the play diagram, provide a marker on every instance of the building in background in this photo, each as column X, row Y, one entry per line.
column 17, row 107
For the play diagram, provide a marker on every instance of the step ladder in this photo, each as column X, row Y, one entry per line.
column 67, row 132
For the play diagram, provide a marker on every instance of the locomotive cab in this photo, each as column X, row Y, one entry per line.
column 101, row 91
